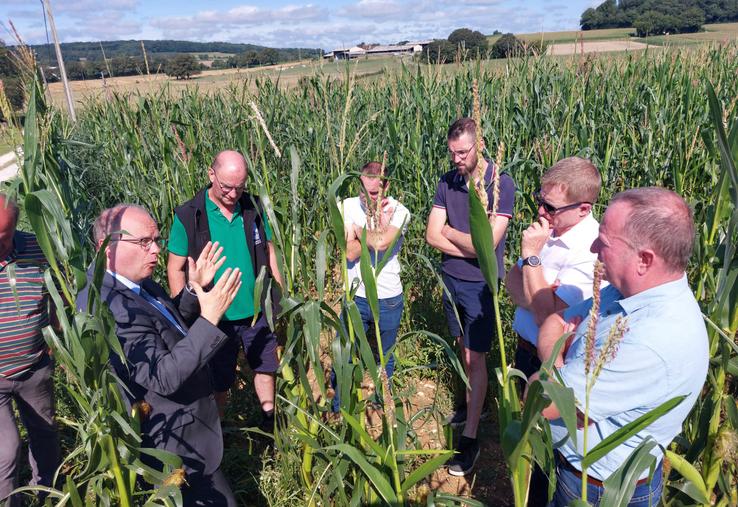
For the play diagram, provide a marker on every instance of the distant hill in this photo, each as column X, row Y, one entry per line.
column 157, row 48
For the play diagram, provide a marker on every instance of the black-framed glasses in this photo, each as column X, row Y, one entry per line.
column 227, row 189
column 144, row 243
column 462, row 154
column 550, row 208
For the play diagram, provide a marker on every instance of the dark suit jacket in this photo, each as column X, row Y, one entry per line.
column 167, row 370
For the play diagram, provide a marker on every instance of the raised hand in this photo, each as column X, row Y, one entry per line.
column 214, row 303
column 388, row 211
column 203, row 270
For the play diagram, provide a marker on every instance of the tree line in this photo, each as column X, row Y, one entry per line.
column 183, row 65
column 156, row 48
column 464, row 43
column 657, row 17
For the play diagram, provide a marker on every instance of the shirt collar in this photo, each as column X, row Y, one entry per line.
column 125, row 281
column 579, row 233
column 488, row 175
column 669, row 290
column 210, row 205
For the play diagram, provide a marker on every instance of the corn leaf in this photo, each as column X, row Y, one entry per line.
column 698, row 491
column 627, row 431
column 373, row 474
column 482, row 239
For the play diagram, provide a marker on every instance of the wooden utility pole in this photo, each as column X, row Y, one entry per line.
column 146, row 60
column 60, row 62
column 110, row 73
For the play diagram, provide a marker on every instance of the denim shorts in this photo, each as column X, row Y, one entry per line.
column 473, row 302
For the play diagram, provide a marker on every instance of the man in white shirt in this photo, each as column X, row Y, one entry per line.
column 383, row 218
column 556, row 266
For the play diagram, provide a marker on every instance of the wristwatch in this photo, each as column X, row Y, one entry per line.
column 533, row 261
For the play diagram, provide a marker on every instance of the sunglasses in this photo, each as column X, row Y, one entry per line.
column 551, row 209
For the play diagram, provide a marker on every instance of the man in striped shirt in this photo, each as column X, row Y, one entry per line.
column 25, row 366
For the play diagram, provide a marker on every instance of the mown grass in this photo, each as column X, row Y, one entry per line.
column 575, row 35
column 721, row 32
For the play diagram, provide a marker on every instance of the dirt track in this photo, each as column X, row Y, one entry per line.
column 573, row 48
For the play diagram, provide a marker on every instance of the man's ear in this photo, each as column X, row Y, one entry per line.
column 646, row 260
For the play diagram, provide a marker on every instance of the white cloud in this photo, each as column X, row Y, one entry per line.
column 315, row 24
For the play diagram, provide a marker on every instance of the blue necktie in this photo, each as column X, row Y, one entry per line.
column 162, row 309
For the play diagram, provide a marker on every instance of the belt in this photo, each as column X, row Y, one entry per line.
column 527, row 346
column 590, row 480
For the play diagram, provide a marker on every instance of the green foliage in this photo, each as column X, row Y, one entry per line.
column 473, row 43
column 251, row 58
column 654, row 17
column 462, row 44
column 440, row 51
column 644, row 120
column 164, row 49
column 508, row 46
column 11, row 82
column 182, row 67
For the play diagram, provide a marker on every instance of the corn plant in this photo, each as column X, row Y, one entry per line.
column 107, row 463
column 703, row 462
column 642, row 118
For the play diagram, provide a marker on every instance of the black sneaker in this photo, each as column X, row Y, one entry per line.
column 267, row 422
column 457, row 419
column 467, row 452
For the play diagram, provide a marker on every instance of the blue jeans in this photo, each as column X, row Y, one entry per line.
column 569, row 487
column 390, row 315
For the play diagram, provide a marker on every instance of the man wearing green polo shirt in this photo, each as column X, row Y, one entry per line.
column 233, row 219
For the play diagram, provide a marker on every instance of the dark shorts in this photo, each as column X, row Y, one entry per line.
column 259, row 344
column 473, row 301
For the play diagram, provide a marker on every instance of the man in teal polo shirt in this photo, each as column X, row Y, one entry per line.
column 225, row 214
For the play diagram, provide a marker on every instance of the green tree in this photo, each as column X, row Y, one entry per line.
column 182, row 66
column 590, row 19
column 506, row 46
column 472, row 42
column 268, row 56
column 439, row 51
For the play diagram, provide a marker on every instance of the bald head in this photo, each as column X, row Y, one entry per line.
column 227, row 179
column 229, row 162
column 111, row 220
column 134, row 249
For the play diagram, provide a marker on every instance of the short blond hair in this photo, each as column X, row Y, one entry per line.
column 661, row 220
column 577, row 176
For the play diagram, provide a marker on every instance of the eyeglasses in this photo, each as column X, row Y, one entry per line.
column 227, row 189
column 144, row 243
column 462, row 154
column 551, row 209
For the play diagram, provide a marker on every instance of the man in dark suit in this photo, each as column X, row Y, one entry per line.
column 167, row 345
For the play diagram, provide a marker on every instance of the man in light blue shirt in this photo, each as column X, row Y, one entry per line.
column 645, row 240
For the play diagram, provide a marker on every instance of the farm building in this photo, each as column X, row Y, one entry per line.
column 409, row 48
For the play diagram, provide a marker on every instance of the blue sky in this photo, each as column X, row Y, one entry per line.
column 286, row 23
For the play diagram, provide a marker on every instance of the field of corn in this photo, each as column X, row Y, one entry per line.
column 667, row 119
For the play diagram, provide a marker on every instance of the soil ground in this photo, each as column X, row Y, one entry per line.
column 595, row 47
